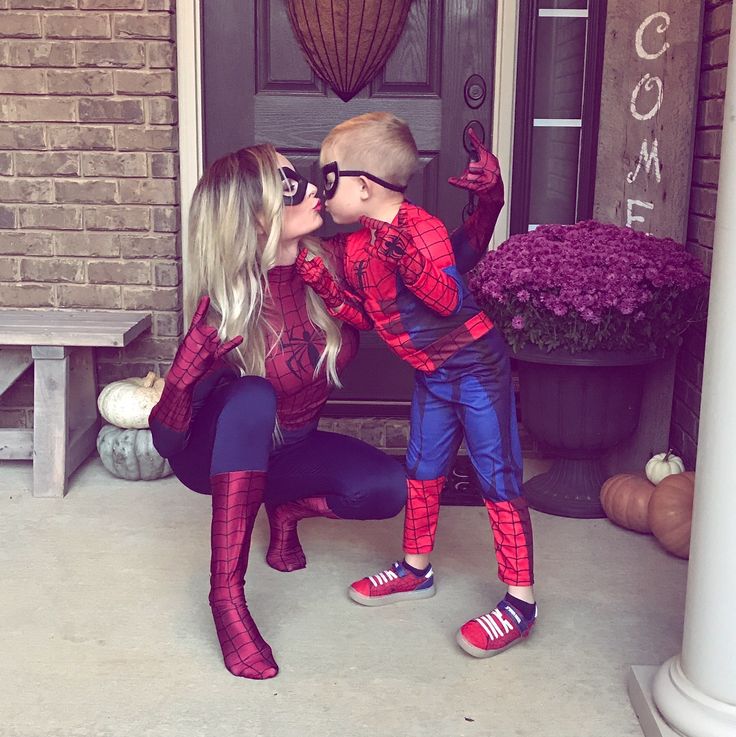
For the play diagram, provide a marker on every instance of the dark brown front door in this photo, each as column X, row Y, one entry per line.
column 258, row 87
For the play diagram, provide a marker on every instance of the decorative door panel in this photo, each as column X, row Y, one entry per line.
column 259, row 87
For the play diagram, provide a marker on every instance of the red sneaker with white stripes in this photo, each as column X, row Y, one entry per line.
column 397, row 583
column 492, row 633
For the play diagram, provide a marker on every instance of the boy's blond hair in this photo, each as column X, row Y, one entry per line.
column 379, row 143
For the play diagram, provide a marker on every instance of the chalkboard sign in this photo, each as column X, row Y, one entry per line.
column 645, row 149
column 648, row 104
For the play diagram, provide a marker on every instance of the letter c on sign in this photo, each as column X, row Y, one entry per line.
column 647, row 81
column 661, row 28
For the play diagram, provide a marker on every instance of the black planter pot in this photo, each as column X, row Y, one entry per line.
column 578, row 407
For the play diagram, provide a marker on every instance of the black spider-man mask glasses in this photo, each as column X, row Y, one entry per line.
column 295, row 185
column 331, row 174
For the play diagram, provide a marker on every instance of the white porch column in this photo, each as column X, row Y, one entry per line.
column 695, row 691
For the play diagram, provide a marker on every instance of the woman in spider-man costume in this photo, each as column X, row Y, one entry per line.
column 238, row 415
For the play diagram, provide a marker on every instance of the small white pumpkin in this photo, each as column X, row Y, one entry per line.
column 128, row 402
column 129, row 454
column 662, row 465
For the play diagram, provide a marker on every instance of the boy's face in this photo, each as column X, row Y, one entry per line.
column 347, row 204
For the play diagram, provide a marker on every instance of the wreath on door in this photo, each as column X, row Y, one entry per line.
column 347, row 42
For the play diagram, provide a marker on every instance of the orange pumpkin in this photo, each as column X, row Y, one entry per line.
column 671, row 512
column 625, row 500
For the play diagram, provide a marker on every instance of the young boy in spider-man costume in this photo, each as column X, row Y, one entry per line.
column 401, row 264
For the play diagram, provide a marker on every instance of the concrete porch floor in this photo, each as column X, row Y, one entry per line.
column 106, row 630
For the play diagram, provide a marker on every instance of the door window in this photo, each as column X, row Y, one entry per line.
column 558, row 93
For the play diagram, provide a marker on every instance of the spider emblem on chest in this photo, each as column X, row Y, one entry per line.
column 302, row 351
column 361, row 269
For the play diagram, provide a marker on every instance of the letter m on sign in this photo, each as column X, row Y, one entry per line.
column 647, row 158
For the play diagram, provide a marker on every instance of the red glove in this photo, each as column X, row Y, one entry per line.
column 392, row 245
column 199, row 351
column 314, row 273
column 483, row 175
column 200, row 348
column 481, row 178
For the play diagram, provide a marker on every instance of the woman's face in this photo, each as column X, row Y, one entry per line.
column 302, row 218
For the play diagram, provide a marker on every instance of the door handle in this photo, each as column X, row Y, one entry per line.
column 479, row 131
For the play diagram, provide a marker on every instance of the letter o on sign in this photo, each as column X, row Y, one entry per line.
column 648, row 82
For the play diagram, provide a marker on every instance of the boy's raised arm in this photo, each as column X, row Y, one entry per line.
column 482, row 178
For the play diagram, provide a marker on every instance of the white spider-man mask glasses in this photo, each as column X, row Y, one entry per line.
column 295, row 185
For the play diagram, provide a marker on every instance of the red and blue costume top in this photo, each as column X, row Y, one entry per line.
column 425, row 312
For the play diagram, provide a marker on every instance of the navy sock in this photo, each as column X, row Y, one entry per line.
column 527, row 610
column 416, row 571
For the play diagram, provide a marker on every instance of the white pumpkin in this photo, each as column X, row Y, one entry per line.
column 663, row 465
column 128, row 402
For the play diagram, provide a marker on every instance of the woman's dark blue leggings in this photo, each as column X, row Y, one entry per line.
column 233, row 432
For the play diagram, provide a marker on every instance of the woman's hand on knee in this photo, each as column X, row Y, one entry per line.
column 200, row 349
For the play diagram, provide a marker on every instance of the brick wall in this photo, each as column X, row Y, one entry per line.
column 686, row 407
column 88, row 164
column 88, row 208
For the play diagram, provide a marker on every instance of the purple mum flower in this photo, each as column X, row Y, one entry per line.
column 590, row 285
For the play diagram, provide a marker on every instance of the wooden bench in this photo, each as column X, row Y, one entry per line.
column 60, row 344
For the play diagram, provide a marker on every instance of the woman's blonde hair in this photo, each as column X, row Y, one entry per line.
column 379, row 143
column 235, row 227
